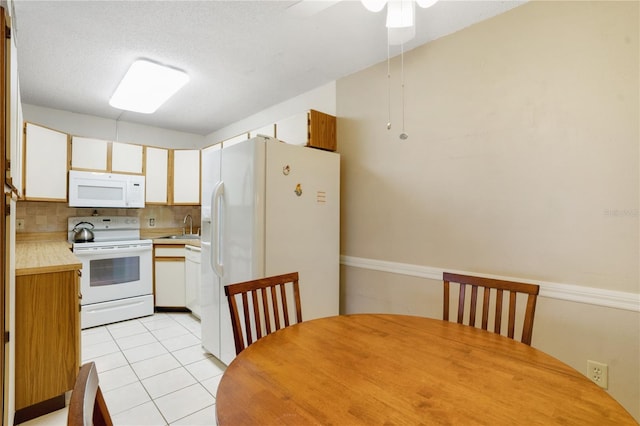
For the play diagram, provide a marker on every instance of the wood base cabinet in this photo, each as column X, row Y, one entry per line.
column 47, row 338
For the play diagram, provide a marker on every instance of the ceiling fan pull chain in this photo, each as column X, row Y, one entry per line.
column 403, row 135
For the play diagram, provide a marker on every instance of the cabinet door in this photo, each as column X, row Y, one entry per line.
column 126, row 158
column 14, row 143
column 47, row 336
column 269, row 130
column 186, row 177
column 322, row 131
column 236, row 139
column 192, row 280
column 156, row 171
column 294, row 130
column 89, row 154
column 170, row 291
column 169, row 262
column 46, row 164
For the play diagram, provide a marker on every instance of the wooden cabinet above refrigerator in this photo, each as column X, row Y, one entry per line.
column 311, row 128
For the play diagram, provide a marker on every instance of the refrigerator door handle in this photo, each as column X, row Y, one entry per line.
column 216, row 197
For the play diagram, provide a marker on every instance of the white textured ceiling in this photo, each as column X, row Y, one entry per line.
column 241, row 56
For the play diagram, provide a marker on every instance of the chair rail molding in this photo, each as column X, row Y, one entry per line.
column 569, row 292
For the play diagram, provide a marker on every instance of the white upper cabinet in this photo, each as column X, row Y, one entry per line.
column 173, row 176
column 294, row 130
column 236, row 139
column 89, row 154
column 126, row 158
column 105, row 156
column 269, row 130
column 157, row 172
column 186, row 177
column 46, row 164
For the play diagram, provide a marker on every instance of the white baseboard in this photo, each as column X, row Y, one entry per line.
column 569, row 292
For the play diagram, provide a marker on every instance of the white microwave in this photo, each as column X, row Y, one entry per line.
column 91, row 189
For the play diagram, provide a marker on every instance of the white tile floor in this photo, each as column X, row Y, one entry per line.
column 152, row 371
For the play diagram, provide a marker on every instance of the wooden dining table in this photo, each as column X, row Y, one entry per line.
column 405, row 370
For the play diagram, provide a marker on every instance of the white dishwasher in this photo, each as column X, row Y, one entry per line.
column 192, row 278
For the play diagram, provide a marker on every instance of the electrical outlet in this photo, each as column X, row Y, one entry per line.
column 19, row 224
column 152, row 222
column 598, row 373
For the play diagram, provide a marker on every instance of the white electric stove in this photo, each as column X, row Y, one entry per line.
column 116, row 282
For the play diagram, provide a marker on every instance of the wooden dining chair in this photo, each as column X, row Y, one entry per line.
column 499, row 287
column 264, row 305
column 87, row 406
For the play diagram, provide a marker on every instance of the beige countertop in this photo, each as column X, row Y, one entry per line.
column 45, row 257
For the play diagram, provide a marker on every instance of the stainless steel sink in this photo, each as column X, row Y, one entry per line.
column 181, row 237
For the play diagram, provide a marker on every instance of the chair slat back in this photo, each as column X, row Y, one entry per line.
column 497, row 287
column 87, row 406
column 264, row 306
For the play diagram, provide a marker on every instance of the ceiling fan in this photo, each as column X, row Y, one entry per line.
column 400, row 29
column 400, row 14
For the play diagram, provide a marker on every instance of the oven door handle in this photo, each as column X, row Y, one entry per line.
column 114, row 249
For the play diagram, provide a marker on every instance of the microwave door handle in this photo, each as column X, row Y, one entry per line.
column 216, row 197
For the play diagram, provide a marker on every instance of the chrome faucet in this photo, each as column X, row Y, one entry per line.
column 184, row 222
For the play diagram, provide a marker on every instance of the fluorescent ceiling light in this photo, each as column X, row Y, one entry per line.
column 146, row 86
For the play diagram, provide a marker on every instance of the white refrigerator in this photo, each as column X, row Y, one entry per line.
column 268, row 208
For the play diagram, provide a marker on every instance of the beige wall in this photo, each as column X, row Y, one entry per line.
column 522, row 161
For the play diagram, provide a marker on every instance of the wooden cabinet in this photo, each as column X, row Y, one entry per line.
column 311, row 128
column 173, row 176
column 89, row 154
column 46, row 162
column 105, row 156
column 126, row 158
column 169, row 285
column 47, row 338
column 7, row 213
column 14, row 153
column 157, row 175
column 269, row 130
column 236, row 139
column 185, row 185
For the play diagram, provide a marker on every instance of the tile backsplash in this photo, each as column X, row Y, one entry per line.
column 45, row 216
